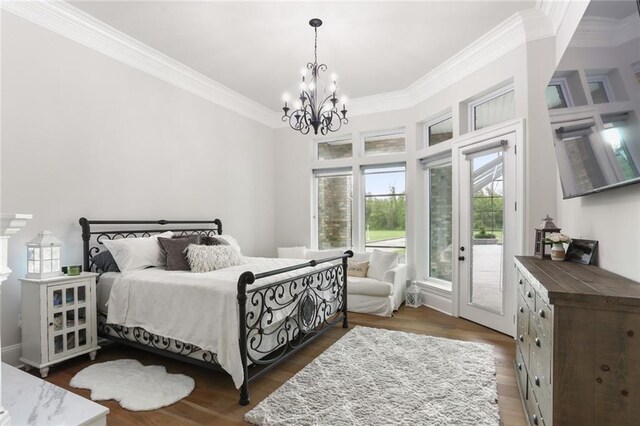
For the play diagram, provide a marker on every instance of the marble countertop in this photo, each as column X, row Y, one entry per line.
column 32, row 401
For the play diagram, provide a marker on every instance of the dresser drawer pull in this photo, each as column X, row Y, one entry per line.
column 520, row 282
column 521, row 338
column 537, row 342
column 535, row 419
column 536, row 380
column 521, row 310
column 529, row 295
column 542, row 314
column 520, row 366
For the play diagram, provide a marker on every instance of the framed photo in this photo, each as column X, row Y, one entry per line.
column 582, row 251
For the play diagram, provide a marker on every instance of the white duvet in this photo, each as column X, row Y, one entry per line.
column 201, row 309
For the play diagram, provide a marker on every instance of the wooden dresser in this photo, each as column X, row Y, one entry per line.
column 578, row 344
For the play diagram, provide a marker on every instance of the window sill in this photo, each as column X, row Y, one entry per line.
column 435, row 287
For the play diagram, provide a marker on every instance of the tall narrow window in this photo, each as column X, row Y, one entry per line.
column 385, row 208
column 384, row 144
column 333, row 217
column 439, row 184
column 492, row 109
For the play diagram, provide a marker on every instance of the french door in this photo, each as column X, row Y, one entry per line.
column 487, row 230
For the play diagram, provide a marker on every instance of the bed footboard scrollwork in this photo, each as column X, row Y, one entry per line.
column 279, row 318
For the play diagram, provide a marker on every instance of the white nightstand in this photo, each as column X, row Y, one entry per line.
column 58, row 320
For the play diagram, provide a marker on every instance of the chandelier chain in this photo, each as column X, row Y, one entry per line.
column 315, row 46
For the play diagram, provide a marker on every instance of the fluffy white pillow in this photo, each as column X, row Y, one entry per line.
column 211, row 258
column 381, row 262
column 232, row 241
column 292, row 252
column 131, row 254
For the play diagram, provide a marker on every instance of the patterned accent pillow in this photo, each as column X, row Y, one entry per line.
column 211, row 258
column 357, row 269
column 212, row 241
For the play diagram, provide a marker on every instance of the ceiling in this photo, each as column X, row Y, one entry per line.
column 258, row 48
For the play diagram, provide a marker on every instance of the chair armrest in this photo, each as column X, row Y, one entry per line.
column 397, row 276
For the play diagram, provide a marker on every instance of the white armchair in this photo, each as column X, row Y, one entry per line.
column 369, row 295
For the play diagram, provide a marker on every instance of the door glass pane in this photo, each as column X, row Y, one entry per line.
column 334, row 211
column 389, row 144
column 70, row 318
column 335, row 149
column 82, row 316
column 69, row 296
column 440, row 222
column 71, row 340
column 81, row 294
column 385, row 209
column 57, row 298
column 487, row 215
column 82, row 337
column 583, row 162
column 57, row 344
column 57, row 321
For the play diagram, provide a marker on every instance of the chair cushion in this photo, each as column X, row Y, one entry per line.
column 368, row 287
column 380, row 263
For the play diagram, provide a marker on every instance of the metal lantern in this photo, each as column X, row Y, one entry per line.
column 43, row 256
column 546, row 227
column 413, row 296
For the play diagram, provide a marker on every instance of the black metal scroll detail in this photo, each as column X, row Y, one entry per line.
column 145, row 338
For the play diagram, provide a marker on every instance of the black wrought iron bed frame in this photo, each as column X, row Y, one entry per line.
column 313, row 302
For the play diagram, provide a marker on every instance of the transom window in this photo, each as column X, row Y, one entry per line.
column 384, row 144
column 331, row 150
column 600, row 89
column 439, row 130
column 557, row 94
column 385, row 208
column 494, row 108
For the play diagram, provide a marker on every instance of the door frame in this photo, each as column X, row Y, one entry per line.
column 516, row 127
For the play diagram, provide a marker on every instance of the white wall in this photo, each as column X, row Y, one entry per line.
column 85, row 135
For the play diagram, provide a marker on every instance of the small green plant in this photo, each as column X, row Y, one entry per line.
column 483, row 234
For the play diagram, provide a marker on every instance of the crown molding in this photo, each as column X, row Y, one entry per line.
column 554, row 10
column 69, row 21
column 518, row 29
column 606, row 32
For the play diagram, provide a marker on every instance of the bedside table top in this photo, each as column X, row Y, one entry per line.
column 61, row 278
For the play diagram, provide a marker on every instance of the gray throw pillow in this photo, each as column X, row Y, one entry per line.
column 175, row 251
column 105, row 262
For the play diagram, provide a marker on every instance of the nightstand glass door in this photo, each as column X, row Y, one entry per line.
column 67, row 319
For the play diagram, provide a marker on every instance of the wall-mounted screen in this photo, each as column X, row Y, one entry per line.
column 594, row 101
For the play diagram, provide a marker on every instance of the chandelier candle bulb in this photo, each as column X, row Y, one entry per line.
column 319, row 113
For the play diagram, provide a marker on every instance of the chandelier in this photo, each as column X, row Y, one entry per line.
column 316, row 107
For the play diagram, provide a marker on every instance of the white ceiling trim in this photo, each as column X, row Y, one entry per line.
column 516, row 30
column 71, row 22
column 596, row 31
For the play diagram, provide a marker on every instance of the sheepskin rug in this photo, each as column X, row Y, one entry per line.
column 135, row 386
column 381, row 377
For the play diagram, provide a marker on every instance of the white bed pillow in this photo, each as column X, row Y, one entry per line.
column 381, row 262
column 292, row 252
column 132, row 254
column 211, row 258
column 232, row 242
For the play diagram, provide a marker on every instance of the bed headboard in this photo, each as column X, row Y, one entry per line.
column 96, row 231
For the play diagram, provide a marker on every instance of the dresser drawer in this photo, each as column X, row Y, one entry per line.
column 543, row 317
column 533, row 410
column 540, row 380
column 529, row 295
column 521, row 374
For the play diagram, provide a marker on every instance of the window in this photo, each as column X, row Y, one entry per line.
column 334, row 191
column 439, row 185
column 384, row 144
column 439, row 131
column 385, row 208
column 332, row 150
column 614, row 135
column 558, row 95
column 491, row 109
column 636, row 71
column 600, row 90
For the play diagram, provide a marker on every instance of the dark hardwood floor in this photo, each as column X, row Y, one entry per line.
column 215, row 400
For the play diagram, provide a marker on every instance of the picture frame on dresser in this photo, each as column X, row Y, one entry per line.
column 582, row 251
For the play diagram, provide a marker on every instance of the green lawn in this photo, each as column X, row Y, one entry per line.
column 383, row 234
column 498, row 234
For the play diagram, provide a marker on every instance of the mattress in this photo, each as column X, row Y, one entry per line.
column 200, row 309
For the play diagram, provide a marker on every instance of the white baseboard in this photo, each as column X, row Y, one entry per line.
column 11, row 355
column 437, row 299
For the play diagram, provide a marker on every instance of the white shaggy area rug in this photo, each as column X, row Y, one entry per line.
column 381, row 377
column 135, row 386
